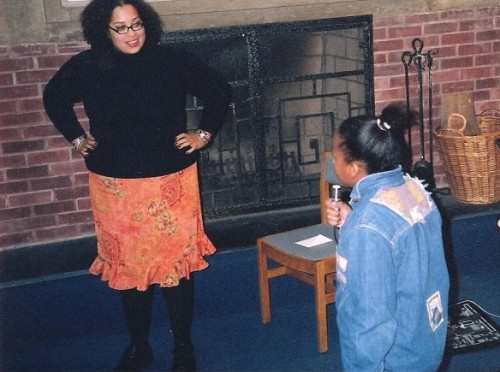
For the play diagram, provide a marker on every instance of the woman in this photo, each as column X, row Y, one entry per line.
column 142, row 163
column 392, row 280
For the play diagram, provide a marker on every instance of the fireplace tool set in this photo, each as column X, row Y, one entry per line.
column 422, row 169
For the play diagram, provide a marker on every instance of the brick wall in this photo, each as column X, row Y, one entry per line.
column 468, row 59
column 43, row 184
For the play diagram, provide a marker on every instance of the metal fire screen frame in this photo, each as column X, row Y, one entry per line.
column 291, row 82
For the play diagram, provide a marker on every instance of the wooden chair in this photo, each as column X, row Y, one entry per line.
column 315, row 265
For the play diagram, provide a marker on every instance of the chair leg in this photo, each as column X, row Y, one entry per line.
column 265, row 305
column 320, row 297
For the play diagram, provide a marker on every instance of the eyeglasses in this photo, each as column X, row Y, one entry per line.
column 124, row 29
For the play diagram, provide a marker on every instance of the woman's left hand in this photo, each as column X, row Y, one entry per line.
column 191, row 141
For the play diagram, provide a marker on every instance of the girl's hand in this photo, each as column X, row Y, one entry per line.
column 336, row 212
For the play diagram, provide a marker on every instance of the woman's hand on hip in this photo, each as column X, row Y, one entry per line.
column 189, row 141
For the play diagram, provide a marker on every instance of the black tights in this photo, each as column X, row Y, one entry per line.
column 179, row 300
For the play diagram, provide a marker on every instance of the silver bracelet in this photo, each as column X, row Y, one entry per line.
column 204, row 135
column 78, row 142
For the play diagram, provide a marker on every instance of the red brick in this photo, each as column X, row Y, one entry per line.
column 10, row 134
column 492, row 35
column 72, row 193
column 480, row 24
column 87, row 229
column 445, row 51
column 481, row 95
column 389, row 70
column 57, row 233
column 72, row 48
column 6, row 80
column 84, row 204
column 458, row 38
column 397, row 94
column 32, row 49
column 440, row 76
column 380, row 33
column 38, row 131
column 82, row 179
column 36, row 197
column 18, row 92
column 381, row 83
column 380, row 58
column 12, row 161
column 55, row 61
column 12, row 240
column 76, row 166
column 75, row 217
column 8, row 188
column 17, row 64
column 473, row 49
column 54, row 208
column 454, row 63
column 440, row 28
column 32, row 223
column 460, row 86
column 30, row 172
column 28, row 77
column 22, row 146
column 388, row 45
column 29, row 105
column 7, row 107
column 401, row 32
column 388, row 21
column 488, row 60
column 475, row 73
column 46, row 157
column 28, row 118
column 13, row 213
column 488, row 83
column 50, row 183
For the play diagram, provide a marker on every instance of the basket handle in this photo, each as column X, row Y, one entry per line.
column 456, row 123
column 491, row 112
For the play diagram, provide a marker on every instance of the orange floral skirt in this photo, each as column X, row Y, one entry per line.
column 149, row 230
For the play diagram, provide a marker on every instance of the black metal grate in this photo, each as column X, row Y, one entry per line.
column 291, row 83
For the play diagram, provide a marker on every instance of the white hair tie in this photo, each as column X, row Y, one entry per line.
column 382, row 125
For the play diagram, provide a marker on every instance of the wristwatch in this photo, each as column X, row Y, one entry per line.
column 204, row 135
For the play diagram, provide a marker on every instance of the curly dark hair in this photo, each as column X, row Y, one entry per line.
column 378, row 141
column 97, row 14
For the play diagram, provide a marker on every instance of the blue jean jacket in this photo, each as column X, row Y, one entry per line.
column 392, row 278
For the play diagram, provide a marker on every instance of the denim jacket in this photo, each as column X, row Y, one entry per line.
column 393, row 283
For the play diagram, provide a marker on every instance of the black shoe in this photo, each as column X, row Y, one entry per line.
column 184, row 361
column 135, row 358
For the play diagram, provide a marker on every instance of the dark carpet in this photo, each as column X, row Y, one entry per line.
column 74, row 322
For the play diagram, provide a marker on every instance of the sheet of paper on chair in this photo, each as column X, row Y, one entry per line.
column 315, row 240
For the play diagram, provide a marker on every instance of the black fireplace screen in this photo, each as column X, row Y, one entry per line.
column 291, row 83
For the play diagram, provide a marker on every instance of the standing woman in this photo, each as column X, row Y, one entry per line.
column 392, row 279
column 142, row 163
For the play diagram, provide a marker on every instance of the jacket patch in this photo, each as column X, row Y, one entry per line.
column 410, row 200
column 435, row 310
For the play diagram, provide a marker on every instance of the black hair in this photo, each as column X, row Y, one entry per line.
column 378, row 142
column 97, row 14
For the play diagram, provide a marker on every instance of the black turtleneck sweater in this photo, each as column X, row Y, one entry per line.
column 136, row 106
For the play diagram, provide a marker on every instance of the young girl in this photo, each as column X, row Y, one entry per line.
column 392, row 293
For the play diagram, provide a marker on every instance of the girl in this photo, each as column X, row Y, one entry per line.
column 392, row 293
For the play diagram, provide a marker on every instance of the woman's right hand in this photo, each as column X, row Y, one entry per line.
column 336, row 212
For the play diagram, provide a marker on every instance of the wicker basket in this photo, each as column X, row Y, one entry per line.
column 472, row 163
